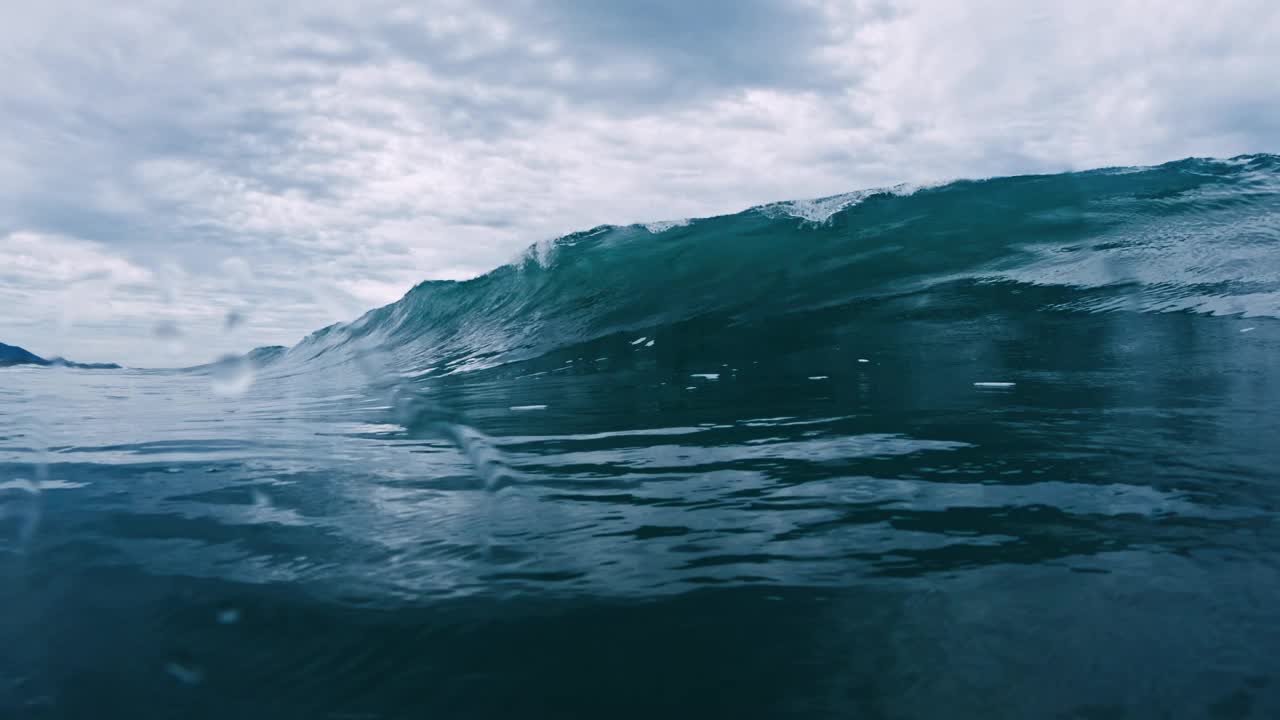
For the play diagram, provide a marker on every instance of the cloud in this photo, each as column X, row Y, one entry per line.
column 337, row 153
column 51, row 260
column 68, row 294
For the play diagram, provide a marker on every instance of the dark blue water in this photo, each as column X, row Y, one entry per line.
column 1003, row 449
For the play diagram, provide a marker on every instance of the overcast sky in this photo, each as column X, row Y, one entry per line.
column 179, row 180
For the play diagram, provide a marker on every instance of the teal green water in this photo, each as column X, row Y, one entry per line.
column 997, row 449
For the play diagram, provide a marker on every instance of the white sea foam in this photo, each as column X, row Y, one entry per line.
column 665, row 225
column 27, row 485
column 821, row 210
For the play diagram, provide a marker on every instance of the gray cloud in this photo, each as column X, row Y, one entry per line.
column 342, row 152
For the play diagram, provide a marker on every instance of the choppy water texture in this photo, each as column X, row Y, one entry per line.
column 996, row 449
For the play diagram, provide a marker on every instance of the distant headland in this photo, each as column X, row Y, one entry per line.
column 14, row 355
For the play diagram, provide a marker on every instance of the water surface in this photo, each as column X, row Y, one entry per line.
column 989, row 450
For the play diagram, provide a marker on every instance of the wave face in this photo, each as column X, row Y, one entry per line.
column 1195, row 235
column 991, row 449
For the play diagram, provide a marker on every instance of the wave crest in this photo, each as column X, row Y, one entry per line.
column 1195, row 234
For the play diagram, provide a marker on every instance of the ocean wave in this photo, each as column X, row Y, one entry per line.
column 1193, row 235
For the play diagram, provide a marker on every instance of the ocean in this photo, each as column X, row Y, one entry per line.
column 1004, row 448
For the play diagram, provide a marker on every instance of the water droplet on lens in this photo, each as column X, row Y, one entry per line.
column 167, row 330
column 184, row 671
column 19, row 514
column 228, row 615
column 232, row 377
column 486, row 459
column 234, row 319
column 411, row 410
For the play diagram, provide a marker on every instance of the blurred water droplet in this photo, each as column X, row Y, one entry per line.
column 167, row 330
column 234, row 319
column 487, row 460
column 228, row 615
column 411, row 410
column 19, row 514
column 184, row 670
column 232, row 377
